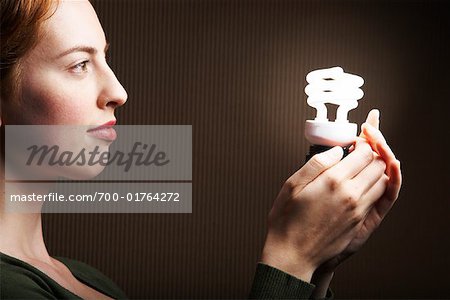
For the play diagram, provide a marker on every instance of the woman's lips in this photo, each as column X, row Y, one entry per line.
column 104, row 132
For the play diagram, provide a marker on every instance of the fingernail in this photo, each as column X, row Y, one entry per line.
column 377, row 113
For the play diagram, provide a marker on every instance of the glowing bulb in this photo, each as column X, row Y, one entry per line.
column 334, row 86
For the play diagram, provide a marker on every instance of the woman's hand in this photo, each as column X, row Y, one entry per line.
column 320, row 209
column 377, row 212
column 382, row 206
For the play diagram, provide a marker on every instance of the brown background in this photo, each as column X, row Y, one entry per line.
column 235, row 71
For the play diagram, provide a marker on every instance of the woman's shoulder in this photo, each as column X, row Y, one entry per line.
column 19, row 279
column 17, row 282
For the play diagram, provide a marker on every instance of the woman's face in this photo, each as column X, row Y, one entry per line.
column 65, row 78
column 67, row 81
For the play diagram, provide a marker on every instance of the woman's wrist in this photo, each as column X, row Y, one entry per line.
column 288, row 261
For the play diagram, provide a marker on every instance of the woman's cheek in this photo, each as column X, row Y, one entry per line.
column 51, row 109
column 59, row 102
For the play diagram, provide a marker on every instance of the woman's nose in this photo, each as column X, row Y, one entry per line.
column 113, row 94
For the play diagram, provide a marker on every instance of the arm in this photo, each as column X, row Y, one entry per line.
column 322, row 282
column 272, row 283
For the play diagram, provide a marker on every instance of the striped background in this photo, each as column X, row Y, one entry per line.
column 235, row 71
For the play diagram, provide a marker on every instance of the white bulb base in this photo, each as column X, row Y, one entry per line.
column 331, row 134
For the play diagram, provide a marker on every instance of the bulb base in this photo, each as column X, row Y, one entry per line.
column 330, row 134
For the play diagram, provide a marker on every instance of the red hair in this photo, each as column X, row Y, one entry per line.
column 20, row 23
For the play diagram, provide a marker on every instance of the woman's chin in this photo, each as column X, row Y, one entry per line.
column 82, row 172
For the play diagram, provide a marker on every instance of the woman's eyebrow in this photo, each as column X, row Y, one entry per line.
column 82, row 48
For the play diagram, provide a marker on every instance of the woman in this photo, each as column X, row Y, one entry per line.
column 53, row 71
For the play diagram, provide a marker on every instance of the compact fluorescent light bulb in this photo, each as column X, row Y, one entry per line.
column 334, row 86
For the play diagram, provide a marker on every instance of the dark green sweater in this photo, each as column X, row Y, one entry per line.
column 20, row 280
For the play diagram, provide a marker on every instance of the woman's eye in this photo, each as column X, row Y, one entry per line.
column 81, row 67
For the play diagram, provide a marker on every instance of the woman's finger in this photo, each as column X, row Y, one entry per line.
column 317, row 165
column 388, row 156
column 395, row 181
column 369, row 176
column 373, row 194
column 353, row 163
column 373, row 118
column 379, row 209
column 389, row 197
column 377, row 141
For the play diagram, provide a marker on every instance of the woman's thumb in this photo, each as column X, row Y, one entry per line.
column 317, row 165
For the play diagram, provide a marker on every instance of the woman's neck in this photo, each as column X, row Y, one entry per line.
column 21, row 233
column 22, row 236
